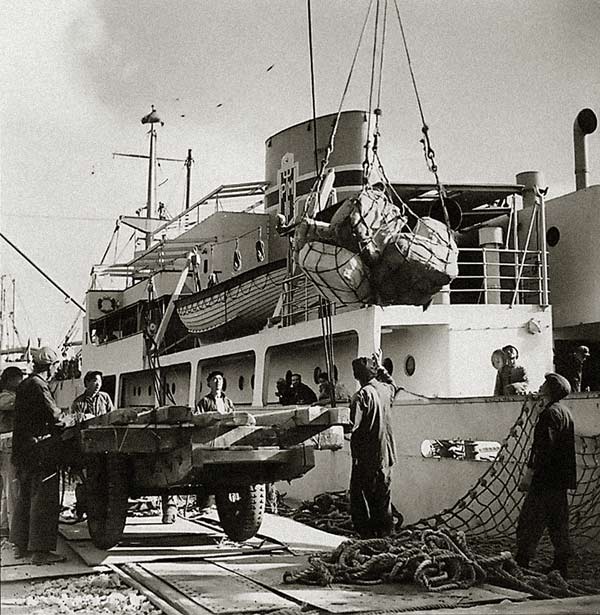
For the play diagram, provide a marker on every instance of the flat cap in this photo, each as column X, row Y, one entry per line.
column 44, row 356
column 559, row 386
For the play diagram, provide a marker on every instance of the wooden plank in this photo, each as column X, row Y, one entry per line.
column 237, row 455
column 233, row 419
column 221, row 436
column 132, row 439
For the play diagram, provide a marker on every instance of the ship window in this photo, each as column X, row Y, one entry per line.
column 252, row 381
column 389, row 365
column 224, row 383
column 139, row 391
column 552, row 236
column 241, row 383
column 469, row 450
column 149, row 390
column 410, row 365
column 205, row 266
column 316, row 374
column 133, row 391
column 335, row 373
column 173, row 388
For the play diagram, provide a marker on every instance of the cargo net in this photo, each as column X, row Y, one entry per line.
column 489, row 511
column 375, row 252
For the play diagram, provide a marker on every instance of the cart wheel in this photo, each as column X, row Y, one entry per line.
column 106, row 498
column 241, row 511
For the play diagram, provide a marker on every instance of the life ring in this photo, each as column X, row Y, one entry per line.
column 107, row 304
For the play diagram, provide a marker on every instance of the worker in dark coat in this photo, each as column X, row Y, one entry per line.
column 512, row 379
column 373, row 449
column 301, row 393
column 550, row 472
column 572, row 370
column 35, row 522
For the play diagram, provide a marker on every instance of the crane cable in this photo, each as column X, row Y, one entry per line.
column 425, row 141
column 330, row 145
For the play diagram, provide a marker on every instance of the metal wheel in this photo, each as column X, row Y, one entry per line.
column 241, row 511
column 106, row 498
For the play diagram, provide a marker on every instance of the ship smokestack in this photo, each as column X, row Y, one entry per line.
column 585, row 123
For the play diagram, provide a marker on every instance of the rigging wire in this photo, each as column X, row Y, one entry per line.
column 115, row 230
column 428, row 150
column 319, row 180
column 312, row 87
column 367, row 162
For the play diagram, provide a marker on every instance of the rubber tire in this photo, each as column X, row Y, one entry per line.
column 241, row 511
column 106, row 500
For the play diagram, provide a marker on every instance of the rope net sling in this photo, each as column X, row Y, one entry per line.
column 463, row 545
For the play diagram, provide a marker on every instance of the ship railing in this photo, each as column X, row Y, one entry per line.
column 302, row 301
column 497, row 276
column 487, row 276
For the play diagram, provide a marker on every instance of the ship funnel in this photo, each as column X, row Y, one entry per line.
column 585, row 123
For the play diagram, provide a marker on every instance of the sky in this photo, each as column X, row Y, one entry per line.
column 500, row 81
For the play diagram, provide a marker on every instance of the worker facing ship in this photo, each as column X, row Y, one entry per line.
column 549, row 473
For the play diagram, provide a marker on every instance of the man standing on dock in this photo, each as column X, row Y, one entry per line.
column 373, row 449
column 35, row 521
column 550, row 472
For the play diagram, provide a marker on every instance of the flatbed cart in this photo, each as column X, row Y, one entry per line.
column 133, row 452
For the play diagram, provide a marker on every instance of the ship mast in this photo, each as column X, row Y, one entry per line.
column 152, row 118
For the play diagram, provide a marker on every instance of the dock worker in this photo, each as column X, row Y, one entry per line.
column 373, row 449
column 92, row 402
column 550, row 472
column 511, row 379
column 572, row 370
column 10, row 379
column 301, row 393
column 216, row 400
column 34, row 526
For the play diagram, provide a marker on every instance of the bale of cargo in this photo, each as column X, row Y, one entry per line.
column 415, row 265
column 364, row 224
column 339, row 275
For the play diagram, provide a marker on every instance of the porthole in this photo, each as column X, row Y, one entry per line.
column 552, row 236
column 316, row 374
column 241, row 383
column 139, row 391
column 252, row 381
column 409, row 365
column 389, row 365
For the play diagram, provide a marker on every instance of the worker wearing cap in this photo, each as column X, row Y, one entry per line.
column 573, row 369
column 550, row 472
column 373, row 449
column 35, row 522
column 512, row 379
